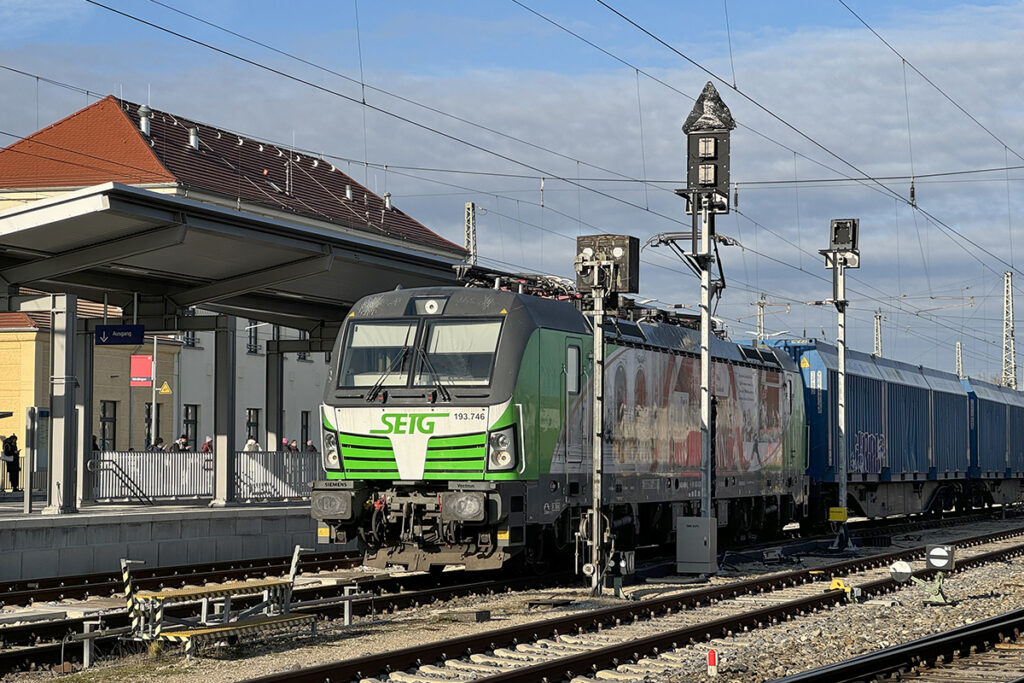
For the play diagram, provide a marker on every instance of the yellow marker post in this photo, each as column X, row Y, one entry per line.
column 837, row 514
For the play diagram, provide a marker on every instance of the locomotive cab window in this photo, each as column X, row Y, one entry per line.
column 458, row 352
column 377, row 350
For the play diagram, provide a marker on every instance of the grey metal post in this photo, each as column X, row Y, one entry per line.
column 842, row 253
column 63, row 441
column 31, row 423
column 840, row 268
column 224, row 413
column 275, row 396
column 154, row 424
column 598, row 435
column 85, row 356
column 88, row 643
column 704, row 258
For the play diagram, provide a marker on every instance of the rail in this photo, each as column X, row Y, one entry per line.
column 150, row 476
column 899, row 659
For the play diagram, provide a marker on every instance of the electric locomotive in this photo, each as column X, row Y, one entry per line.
column 457, row 429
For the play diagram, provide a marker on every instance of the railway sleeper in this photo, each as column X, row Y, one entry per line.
column 497, row 661
column 473, row 667
column 524, row 656
column 447, row 674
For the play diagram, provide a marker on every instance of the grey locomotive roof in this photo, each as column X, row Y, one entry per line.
column 559, row 315
column 475, row 301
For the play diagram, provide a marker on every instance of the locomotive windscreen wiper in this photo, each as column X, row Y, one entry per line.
column 375, row 390
column 445, row 396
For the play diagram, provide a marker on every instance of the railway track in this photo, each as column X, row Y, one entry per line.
column 990, row 650
column 30, row 646
column 641, row 639
column 78, row 587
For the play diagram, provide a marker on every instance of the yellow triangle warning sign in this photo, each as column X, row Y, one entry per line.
column 165, row 389
column 803, row 363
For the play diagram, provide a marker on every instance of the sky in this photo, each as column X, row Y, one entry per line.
column 838, row 104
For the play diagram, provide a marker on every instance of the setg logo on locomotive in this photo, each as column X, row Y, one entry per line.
column 408, row 423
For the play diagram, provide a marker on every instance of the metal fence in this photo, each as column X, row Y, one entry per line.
column 151, row 476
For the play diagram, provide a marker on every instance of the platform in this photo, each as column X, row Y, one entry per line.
column 98, row 536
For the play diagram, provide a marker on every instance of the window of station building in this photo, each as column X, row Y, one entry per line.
column 303, row 355
column 252, row 424
column 190, row 421
column 150, row 435
column 252, row 344
column 188, row 337
column 304, row 428
column 108, row 426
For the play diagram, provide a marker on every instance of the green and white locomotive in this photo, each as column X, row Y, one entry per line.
column 457, row 429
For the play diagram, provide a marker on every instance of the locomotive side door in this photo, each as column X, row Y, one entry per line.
column 573, row 401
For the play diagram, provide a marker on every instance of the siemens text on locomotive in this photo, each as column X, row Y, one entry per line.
column 457, row 430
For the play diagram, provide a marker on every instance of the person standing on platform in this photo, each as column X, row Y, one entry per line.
column 158, row 445
column 293, row 446
column 310, row 447
column 181, row 444
column 251, row 445
column 10, row 456
column 207, row 446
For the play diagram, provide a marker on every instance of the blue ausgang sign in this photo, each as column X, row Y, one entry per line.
column 109, row 335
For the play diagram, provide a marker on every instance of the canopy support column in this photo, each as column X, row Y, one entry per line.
column 224, row 413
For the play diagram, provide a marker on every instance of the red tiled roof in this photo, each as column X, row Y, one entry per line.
column 41, row 320
column 9, row 321
column 103, row 143
column 94, row 145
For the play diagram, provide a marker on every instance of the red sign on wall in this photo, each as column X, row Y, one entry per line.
column 142, row 371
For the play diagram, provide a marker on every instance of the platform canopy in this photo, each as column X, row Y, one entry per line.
column 119, row 240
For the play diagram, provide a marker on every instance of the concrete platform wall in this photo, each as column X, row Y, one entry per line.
column 40, row 547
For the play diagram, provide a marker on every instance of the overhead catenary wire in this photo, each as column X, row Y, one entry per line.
column 883, row 299
column 867, row 178
column 578, row 181
column 776, row 260
column 929, row 81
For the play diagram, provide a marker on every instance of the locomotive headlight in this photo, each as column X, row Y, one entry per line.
column 501, row 450
column 464, row 506
column 332, row 459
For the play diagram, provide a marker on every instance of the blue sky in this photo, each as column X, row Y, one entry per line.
column 819, row 98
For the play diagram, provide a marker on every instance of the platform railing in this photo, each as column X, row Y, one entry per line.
column 130, row 476
column 275, row 475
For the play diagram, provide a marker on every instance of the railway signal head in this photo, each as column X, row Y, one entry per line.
column 900, row 571
column 707, row 148
column 940, row 557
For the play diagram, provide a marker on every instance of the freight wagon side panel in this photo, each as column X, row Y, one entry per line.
column 950, row 425
column 867, row 445
column 908, row 430
column 989, row 434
